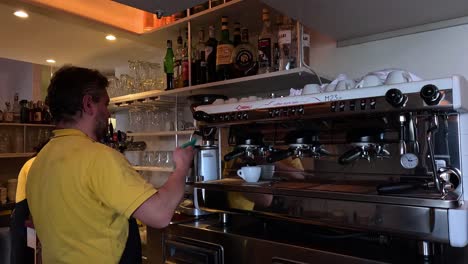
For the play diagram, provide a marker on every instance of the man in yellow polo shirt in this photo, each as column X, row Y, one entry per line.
column 81, row 193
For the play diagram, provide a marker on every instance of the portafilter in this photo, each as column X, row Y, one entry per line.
column 301, row 143
column 247, row 147
column 367, row 144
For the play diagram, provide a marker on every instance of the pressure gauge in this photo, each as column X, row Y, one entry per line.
column 409, row 161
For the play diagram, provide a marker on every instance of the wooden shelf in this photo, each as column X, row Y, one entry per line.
column 260, row 85
column 16, row 155
column 152, row 168
column 161, row 133
column 27, row 125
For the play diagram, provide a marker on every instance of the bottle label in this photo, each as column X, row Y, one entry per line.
column 284, row 37
column 264, row 52
column 9, row 116
column 223, row 54
column 244, row 60
column 185, row 70
column 37, row 116
column 306, row 40
column 208, row 50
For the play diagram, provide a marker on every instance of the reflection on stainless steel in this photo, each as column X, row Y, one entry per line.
column 338, row 166
column 251, row 240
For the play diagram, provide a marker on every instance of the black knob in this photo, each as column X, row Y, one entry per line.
column 396, row 98
column 300, row 110
column 202, row 116
column 430, row 94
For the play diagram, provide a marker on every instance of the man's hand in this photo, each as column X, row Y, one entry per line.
column 183, row 158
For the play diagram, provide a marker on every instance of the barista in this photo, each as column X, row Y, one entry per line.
column 81, row 193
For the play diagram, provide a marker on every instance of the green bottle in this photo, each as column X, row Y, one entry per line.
column 224, row 52
column 169, row 66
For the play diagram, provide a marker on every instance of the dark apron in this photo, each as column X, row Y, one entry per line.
column 21, row 255
column 132, row 251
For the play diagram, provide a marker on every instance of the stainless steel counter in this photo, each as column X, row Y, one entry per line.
column 248, row 239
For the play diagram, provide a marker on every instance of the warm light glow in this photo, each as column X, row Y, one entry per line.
column 111, row 37
column 148, row 21
column 21, row 13
column 50, row 61
column 104, row 11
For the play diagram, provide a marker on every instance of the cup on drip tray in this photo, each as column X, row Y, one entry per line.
column 250, row 173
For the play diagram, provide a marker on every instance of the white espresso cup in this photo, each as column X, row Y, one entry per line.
column 345, row 85
column 369, row 81
column 398, row 77
column 311, row 88
column 250, row 174
column 329, row 87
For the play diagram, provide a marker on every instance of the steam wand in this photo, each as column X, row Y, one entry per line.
column 434, row 127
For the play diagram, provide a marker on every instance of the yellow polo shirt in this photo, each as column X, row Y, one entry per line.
column 81, row 194
column 22, row 178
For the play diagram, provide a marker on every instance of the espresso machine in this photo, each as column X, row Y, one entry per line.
column 369, row 175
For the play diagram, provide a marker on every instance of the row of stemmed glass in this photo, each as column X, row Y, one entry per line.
column 150, row 119
column 158, row 159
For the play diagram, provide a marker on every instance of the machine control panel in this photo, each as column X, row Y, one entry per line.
column 429, row 95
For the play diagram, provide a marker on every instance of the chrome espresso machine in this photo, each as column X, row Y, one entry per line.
column 370, row 175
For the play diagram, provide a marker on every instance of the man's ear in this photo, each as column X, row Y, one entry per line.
column 88, row 104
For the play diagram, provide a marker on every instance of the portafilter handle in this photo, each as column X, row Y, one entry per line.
column 234, row 154
column 350, row 155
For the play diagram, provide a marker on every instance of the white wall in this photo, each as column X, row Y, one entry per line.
column 431, row 54
column 15, row 76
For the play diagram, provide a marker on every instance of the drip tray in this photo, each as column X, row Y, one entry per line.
column 363, row 192
column 347, row 188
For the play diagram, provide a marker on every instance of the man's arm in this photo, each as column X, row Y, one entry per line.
column 157, row 210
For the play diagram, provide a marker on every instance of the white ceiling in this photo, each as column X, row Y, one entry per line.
column 68, row 39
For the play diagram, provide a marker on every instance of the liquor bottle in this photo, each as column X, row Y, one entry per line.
column 16, row 105
column 287, row 41
column 276, row 57
column 8, row 115
column 237, row 34
column 37, row 113
column 185, row 62
column 244, row 57
column 202, row 72
column 199, row 58
column 178, row 63
column 210, row 55
column 31, row 106
column 24, row 111
column 169, row 66
column 265, row 44
column 224, row 52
